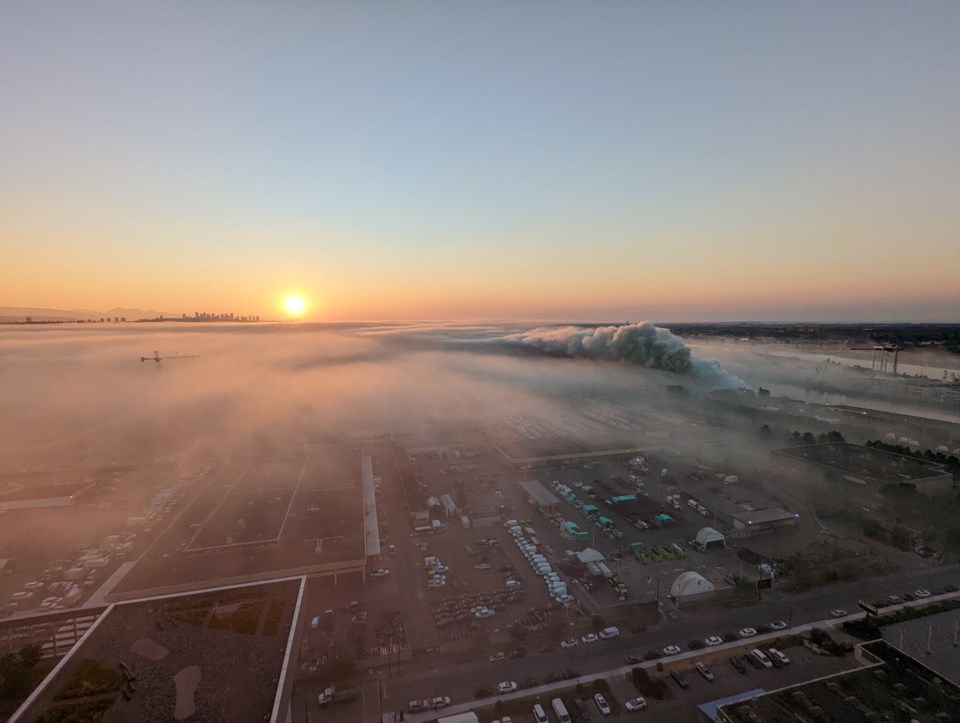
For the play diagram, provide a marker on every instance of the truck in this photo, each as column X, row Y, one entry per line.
column 332, row 695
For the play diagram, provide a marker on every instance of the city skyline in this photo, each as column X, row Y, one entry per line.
column 557, row 161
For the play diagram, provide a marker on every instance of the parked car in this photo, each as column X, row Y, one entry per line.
column 713, row 640
column 380, row 572
column 738, row 664
column 441, row 701
column 633, row 659
column 838, row 613
column 895, row 599
column 680, row 678
column 638, row 703
column 497, row 657
column 672, row 650
column 418, row 706
column 753, row 661
column 705, row 672
column 569, row 643
column 602, row 705
column 749, row 632
column 507, row 686
column 589, row 638
column 778, row 625
column 777, row 657
column 517, row 653
column 921, row 593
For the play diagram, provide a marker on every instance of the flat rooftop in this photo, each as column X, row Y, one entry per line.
column 892, row 683
column 540, row 494
column 183, row 652
column 864, row 463
column 261, row 517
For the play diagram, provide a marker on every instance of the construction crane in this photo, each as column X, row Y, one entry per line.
column 156, row 358
column 883, row 358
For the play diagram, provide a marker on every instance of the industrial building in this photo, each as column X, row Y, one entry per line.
column 860, row 466
column 741, row 509
column 890, row 686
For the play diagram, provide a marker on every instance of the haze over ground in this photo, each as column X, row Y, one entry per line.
column 426, row 160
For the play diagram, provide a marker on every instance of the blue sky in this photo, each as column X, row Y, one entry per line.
column 620, row 160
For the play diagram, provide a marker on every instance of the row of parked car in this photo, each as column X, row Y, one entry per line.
column 555, row 585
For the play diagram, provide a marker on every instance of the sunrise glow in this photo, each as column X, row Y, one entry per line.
column 295, row 305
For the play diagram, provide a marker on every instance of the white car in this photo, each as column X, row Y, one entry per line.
column 672, row 650
column 485, row 613
column 921, row 593
column 838, row 613
column 589, row 638
column 747, row 632
column 507, row 686
column 441, row 701
column 382, row 572
column 713, row 640
column 638, row 703
column 569, row 643
column 601, row 704
column 778, row 625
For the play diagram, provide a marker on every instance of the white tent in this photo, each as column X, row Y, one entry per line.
column 709, row 537
column 590, row 555
column 691, row 584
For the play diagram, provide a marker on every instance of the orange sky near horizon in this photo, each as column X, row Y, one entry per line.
column 567, row 162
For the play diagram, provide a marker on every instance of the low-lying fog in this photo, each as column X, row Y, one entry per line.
column 302, row 381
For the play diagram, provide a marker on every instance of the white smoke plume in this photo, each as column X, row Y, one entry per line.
column 641, row 343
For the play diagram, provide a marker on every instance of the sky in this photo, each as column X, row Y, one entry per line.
column 573, row 161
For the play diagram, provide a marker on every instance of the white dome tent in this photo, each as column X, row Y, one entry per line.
column 709, row 537
column 691, row 586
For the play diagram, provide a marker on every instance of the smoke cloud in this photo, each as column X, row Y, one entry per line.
column 642, row 344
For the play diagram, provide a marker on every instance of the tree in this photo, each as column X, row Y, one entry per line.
column 808, row 438
column 30, row 655
column 765, row 432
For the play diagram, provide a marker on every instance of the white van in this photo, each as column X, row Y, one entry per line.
column 539, row 715
column 780, row 657
column 761, row 658
column 611, row 632
column 560, row 710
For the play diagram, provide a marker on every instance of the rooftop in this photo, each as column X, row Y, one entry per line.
column 864, row 463
column 892, row 683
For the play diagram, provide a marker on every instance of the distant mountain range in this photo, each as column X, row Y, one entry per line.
column 20, row 313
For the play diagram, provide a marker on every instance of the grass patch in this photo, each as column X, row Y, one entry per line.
column 20, row 673
column 78, row 711
column 91, row 678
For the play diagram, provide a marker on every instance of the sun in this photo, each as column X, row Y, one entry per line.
column 295, row 305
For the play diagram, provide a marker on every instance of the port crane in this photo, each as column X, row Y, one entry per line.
column 880, row 362
column 156, row 358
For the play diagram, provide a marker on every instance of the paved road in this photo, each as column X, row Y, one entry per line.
column 460, row 682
